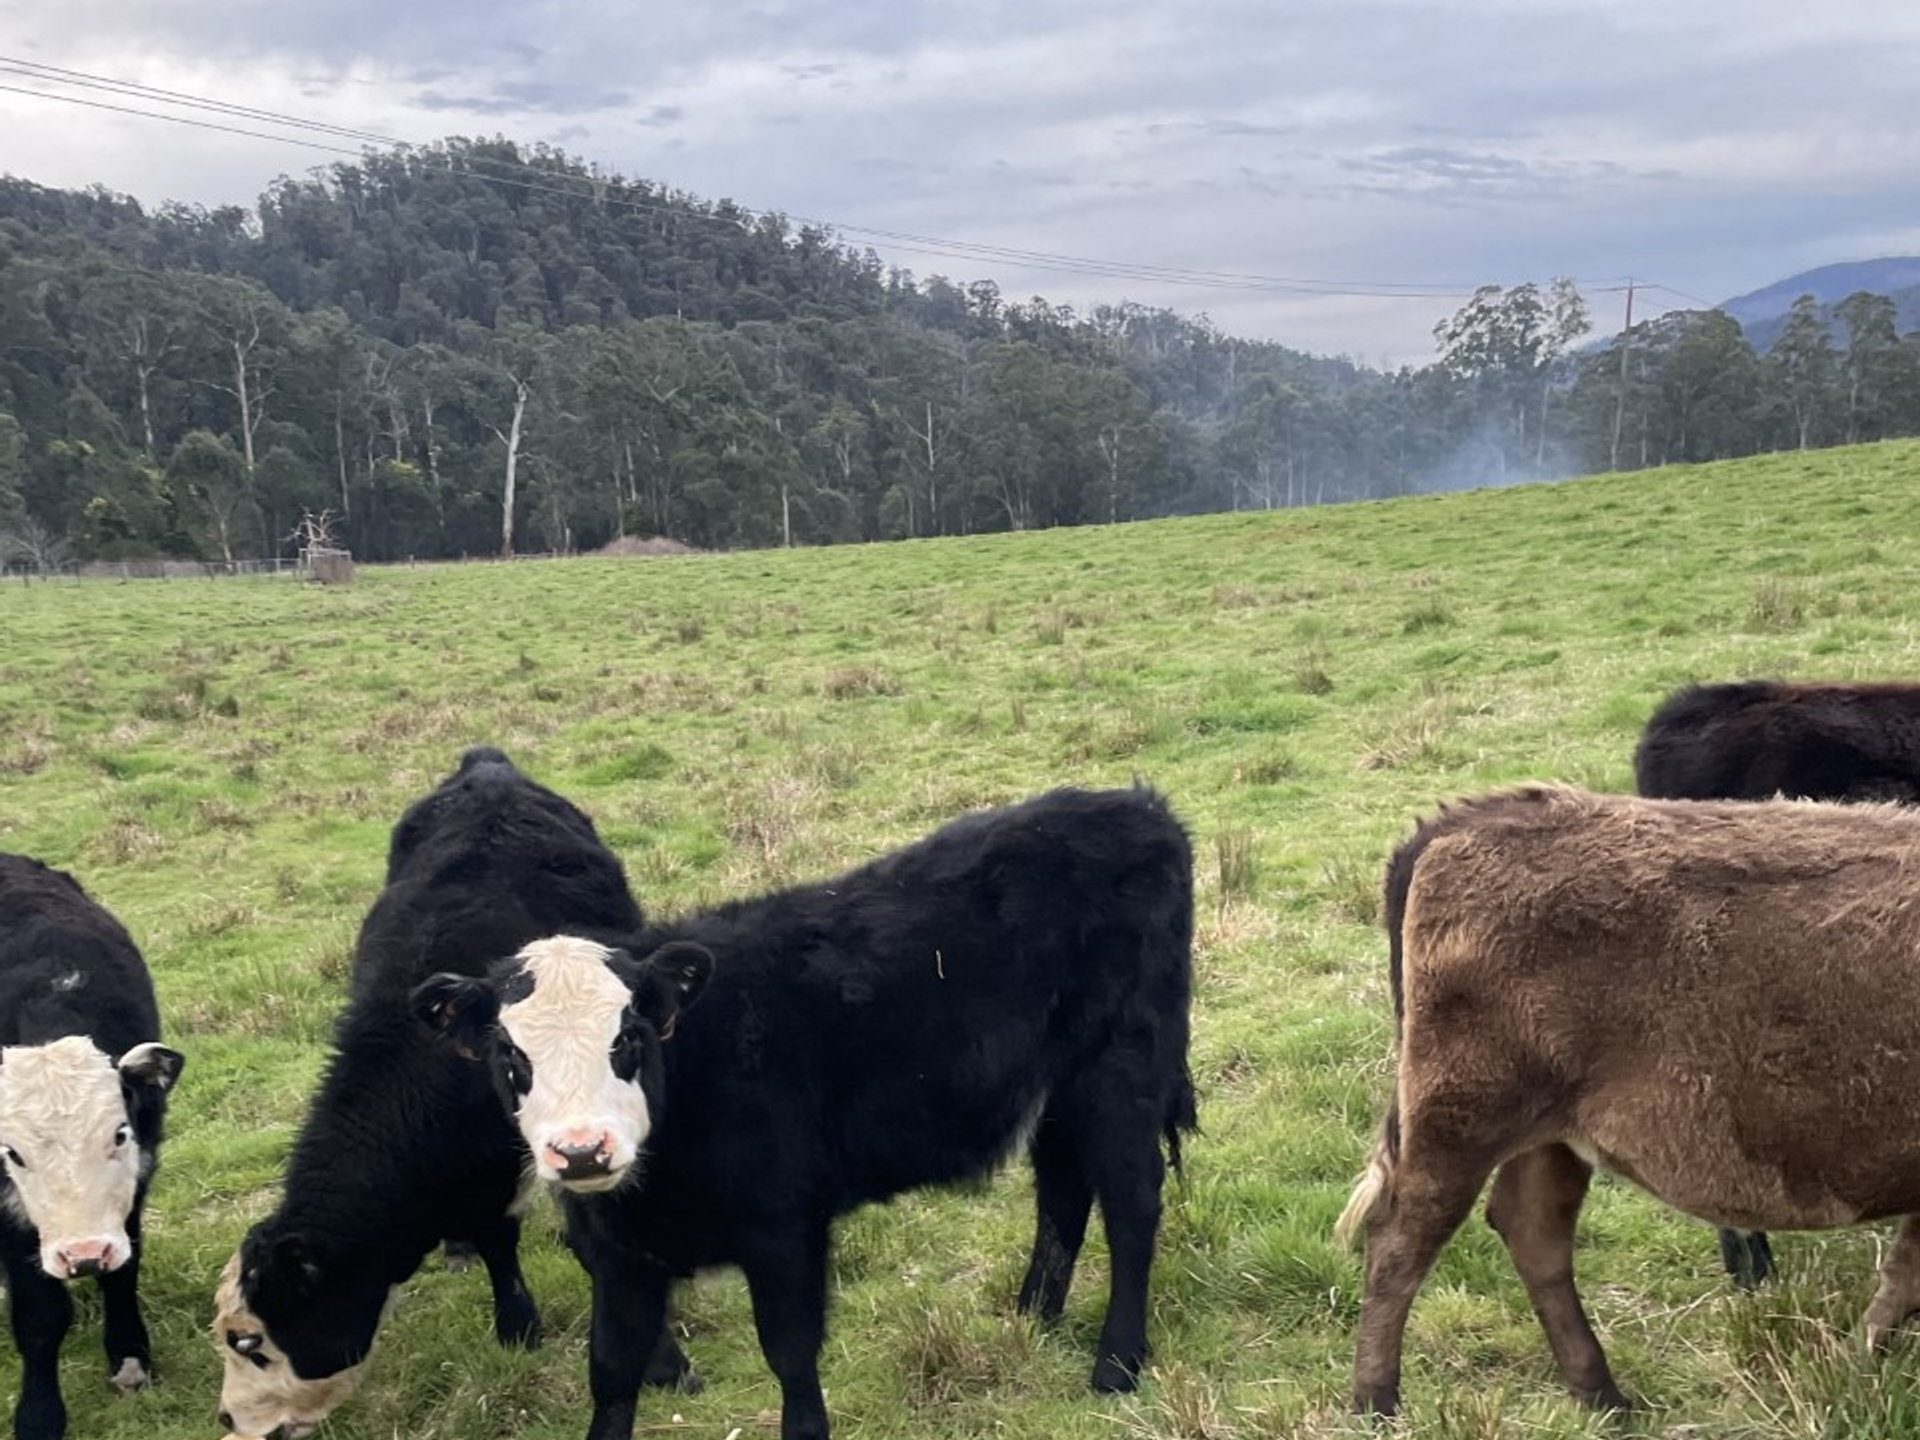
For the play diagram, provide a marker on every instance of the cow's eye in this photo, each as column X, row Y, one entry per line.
column 629, row 1049
column 122, row 1135
column 257, row 1360
column 519, row 1069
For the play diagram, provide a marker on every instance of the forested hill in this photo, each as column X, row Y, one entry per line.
column 474, row 346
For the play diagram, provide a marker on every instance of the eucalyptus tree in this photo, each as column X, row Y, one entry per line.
column 1880, row 378
column 1505, row 347
column 1802, row 374
column 1710, row 391
column 213, row 492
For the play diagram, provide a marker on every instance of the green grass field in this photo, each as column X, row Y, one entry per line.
column 220, row 763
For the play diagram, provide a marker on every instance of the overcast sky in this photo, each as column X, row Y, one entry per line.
column 1377, row 144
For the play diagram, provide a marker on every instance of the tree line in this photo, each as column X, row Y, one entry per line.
column 474, row 347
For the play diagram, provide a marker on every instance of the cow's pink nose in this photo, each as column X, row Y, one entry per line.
column 580, row 1154
column 86, row 1257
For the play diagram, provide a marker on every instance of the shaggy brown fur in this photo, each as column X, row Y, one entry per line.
column 1712, row 1000
column 1755, row 739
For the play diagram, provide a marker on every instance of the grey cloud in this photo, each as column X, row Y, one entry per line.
column 1220, row 127
column 1396, row 138
column 535, row 98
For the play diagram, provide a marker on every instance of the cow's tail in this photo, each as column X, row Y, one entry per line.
column 1182, row 1117
column 1373, row 1192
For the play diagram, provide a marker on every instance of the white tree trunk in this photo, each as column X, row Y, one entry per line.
column 521, row 390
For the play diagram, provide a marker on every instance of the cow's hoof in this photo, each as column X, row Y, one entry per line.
column 131, row 1376
column 1379, row 1404
column 1112, row 1376
column 1612, row 1399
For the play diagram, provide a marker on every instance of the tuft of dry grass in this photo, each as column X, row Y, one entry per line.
column 853, row 682
column 1236, row 866
column 949, row 1354
column 1775, row 606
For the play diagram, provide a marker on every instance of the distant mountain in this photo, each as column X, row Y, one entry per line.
column 1762, row 312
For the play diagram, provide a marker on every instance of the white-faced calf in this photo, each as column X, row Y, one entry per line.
column 405, row 1144
column 719, row 1091
column 83, row 1086
column 1712, row 1000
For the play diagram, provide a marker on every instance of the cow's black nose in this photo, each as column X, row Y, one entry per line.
column 582, row 1162
column 225, row 1417
column 79, row 1268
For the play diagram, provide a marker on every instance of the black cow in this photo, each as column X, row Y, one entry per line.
column 1020, row 977
column 1754, row 739
column 83, row 1095
column 404, row 1145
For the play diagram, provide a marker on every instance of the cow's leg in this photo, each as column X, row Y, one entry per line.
column 1122, row 1149
column 668, row 1367
column 629, row 1314
column 516, row 1319
column 786, row 1272
column 1747, row 1256
column 1535, row 1202
column 1063, row 1198
column 1899, row 1294
column 1404, row 1236
column 41, row 1310
column 129, row 1351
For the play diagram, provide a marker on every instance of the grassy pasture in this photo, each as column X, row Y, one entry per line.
column 220, row 763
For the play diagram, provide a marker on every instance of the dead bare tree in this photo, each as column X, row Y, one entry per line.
column 314, row 531
column 33, row 544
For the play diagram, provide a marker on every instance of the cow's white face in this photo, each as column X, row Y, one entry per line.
column 70, row 1145
column 260, row 1392
column 572, row 1030
column 582, row 1118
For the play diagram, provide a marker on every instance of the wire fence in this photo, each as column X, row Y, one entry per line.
column 325, row 566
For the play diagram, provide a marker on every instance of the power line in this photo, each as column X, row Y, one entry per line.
column 1681, row 294
column 39, row 71
column 905, row 242
column 176, row 119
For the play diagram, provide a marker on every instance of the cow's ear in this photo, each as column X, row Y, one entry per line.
column 458, row 1007
column 669, row 980
column 152, row 1064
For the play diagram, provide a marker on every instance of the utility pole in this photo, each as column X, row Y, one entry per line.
column 1620, row 398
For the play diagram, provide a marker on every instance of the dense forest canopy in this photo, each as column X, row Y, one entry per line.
column 476, row 346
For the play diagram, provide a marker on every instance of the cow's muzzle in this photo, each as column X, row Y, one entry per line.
column 575, row 1160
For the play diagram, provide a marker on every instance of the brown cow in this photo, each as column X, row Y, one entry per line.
column 1756, row 739
column 1713, row 1000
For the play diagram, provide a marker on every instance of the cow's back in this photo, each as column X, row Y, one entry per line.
column 67, row 966
column 1749, row 740
column 485, row 863
column 907, row 1016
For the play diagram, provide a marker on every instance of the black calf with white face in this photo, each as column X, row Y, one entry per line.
column 1019, row 977
column 405, row 1144
column 83, row 1092
column 570, row 1031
